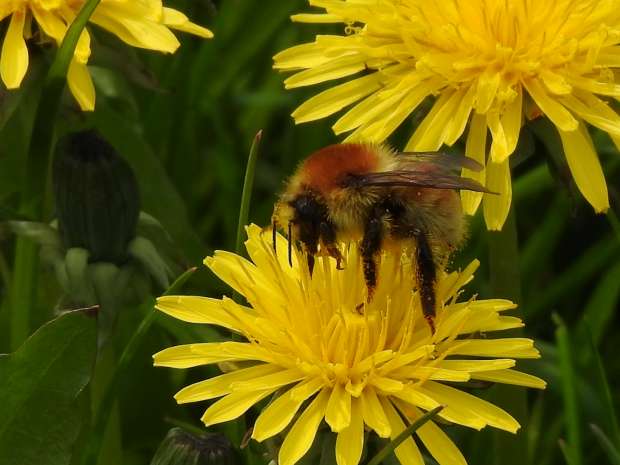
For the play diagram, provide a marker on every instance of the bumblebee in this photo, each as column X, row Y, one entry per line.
column 383, row 200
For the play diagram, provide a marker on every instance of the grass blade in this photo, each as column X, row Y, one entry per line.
column 604, row 392
column 573, row 448
column 246, row 196
column 602, row 305
column 585, row 267
column 389, row 448
column 612, row 452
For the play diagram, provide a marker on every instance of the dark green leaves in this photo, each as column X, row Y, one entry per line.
column 40, row 414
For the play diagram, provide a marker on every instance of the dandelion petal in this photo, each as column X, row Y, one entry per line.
column 350, row 441
column 374, row 415
column 233, row 406
column 278, row 414
column 338, row 414
column 221, row 385
column 586, row 167
column 407, row 452
column 81, row 85
column 14, row 58
column 497, row 205
column 300, row 437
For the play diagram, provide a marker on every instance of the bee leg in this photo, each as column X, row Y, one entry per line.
column 370, row 246
column 426, row 276
column 310, row 263
column 309, row 237
column 328, row 239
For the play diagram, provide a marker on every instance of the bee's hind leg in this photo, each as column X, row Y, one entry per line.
column 369, row 248
column 426, row 273
column 328, row 240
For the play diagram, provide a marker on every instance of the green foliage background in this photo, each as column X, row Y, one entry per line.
column 185, row 124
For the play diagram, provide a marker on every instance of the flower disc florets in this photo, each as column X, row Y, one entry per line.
column 320, row 349
column 488, row 63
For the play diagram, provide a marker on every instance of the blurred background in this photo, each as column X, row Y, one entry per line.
column 185, row 123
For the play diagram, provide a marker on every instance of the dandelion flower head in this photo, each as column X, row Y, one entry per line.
column 139, row 23
column 322, row 352
column 487, row 63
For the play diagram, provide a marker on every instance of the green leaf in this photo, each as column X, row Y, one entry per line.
column 41, row 416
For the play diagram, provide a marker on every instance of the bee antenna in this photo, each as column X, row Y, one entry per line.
column 273, row 236
column 290, row 245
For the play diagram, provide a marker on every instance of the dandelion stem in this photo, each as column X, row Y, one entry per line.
column 506, row 282
column 102, row 416
column 24, row 286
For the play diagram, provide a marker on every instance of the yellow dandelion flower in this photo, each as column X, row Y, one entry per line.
column 140, row 23
column 487, row 62
column 323, row 353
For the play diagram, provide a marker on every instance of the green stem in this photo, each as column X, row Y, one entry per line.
column 102, row 416
column 506, row 283
column 24, row 286
column 23, row 290
column 246, row 195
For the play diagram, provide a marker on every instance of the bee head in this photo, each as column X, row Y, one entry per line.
column 300, row 216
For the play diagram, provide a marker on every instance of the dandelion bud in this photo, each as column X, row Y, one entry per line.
column 183, row 448
column 96, row 196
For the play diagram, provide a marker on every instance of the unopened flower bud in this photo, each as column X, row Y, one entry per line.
column 96, row 197
column 183, row 448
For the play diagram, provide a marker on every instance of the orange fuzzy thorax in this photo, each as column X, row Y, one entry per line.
column 325, row 169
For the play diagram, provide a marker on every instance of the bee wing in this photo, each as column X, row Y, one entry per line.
column 440, row 160
column 411, row 178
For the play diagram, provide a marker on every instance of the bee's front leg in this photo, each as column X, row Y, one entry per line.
column 309, row 238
